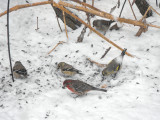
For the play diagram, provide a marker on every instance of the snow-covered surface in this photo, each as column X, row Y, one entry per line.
column 135, row 95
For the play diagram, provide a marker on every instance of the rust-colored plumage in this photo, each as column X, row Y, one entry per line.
column 78, row 87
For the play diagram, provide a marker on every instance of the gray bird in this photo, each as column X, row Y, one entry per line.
column 67, row 69
column 114, row 66
column 102, row 25
column 19, row 71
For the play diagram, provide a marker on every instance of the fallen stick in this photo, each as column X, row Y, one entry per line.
column 106, row 52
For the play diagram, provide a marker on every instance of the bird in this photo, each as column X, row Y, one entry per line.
column 68, row 70
column 19, row 71
column 114, row 65
column 79, row 87
column 102, row 25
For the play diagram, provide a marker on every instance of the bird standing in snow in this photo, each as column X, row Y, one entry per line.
column 114, row 66
column 19, row 71
column 78, row 87
column 102, row 25
column 67, row 69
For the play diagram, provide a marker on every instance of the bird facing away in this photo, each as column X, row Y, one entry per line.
column 114, row 66
column 19, row 71
column 78, row 87
column 102, row 25
column 67, row 69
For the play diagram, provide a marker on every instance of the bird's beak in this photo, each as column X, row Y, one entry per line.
column 63, row 86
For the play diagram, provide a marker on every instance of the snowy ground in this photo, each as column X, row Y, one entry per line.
column 135, row 95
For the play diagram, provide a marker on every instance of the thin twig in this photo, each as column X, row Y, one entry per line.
column 106, row 52
column 58, row 23
column 64, row 19
column 93, row 3
column 155, row 11
column 60, row 42
column 81, row 36
column 144, row 16
column 37, row 24
column 56, row 16
column 25, row 6
column 132, row 9
column 122, row 8
column 98, row 64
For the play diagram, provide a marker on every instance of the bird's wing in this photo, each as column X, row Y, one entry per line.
column 81, row 86
column 113, row 66
column 70, row 68
column 20, row 69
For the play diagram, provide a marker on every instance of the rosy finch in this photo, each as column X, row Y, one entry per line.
column 78, row 87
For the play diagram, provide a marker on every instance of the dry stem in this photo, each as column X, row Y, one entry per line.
column 132, row 9
column 98, row 64
column 64, row 19
column 106, row 52
column 25, row 6
column 60, row 42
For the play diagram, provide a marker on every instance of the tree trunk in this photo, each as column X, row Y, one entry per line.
column 70, row 21
column 143, row 6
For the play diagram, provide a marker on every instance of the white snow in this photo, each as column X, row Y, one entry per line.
column 134, row 96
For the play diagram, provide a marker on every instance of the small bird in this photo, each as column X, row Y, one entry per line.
column 78, row 87
column 19, row 71
column 114, row 66
column 102, row 25
column 67, row 69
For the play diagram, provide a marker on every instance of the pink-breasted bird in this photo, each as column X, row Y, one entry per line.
column 78, row 87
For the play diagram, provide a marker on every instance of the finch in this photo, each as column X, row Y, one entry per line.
column 67, row 69
column 114, row 66
column 78, row 87
column 102, row 25
column 19, row 71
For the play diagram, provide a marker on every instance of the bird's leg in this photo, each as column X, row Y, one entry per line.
column 114, row 76
column 103, row 78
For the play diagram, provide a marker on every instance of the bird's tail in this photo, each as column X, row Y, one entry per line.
column 103, row 90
